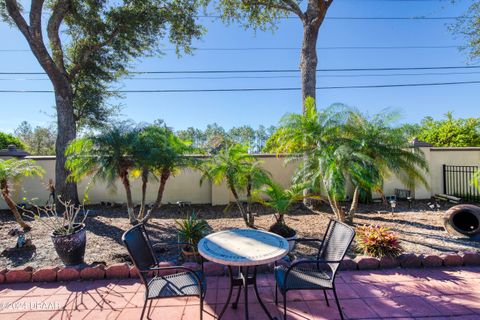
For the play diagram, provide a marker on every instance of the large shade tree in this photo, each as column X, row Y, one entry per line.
column 263, row 14
column 88, row 45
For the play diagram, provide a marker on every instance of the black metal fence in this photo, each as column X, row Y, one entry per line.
column 458, row 182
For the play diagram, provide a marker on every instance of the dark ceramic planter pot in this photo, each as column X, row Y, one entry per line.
column 71, row 248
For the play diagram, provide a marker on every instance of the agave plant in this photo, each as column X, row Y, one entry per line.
column 12, row 171
column 192, row 229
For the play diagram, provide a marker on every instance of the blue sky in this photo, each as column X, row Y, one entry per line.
column 181, row 110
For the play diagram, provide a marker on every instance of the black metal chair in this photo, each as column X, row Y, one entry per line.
column 319, row 273
column 185, row 283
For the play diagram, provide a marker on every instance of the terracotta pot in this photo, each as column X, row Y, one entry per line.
column 71, row 248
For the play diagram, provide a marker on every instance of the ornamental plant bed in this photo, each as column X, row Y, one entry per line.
column 420, row 231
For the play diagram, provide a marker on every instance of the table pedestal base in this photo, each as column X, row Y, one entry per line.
column 242, row 281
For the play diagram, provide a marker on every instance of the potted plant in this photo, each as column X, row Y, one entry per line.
column 68, row 230
column 191, row 230
column 273, row 195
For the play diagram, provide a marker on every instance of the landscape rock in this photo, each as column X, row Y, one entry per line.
column 68, row 274
column 117, row 271
column 389, row 262
column 20, row 274
column 431, row 261
column 96, row 272
column 367, row 263
column 348, row 264
column 46, row 274
column 470, row 258
column 452, row 260
column 409, row 260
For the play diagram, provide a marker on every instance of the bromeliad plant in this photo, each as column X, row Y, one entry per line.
column 12, row 171
column 377, row 241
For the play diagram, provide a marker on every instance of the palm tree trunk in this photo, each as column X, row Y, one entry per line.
column 11, row 204
column 163, row 181
column 240, row 207
column 354, row 205
column 128, row 192
column 249, row 203
column 141, row 214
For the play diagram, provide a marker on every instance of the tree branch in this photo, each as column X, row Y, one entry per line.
column 88, row 51
column 60, row 8
column 288, row 5
column 36, row 19
column 14, row 12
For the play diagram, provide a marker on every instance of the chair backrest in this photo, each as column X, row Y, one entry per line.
column 336, row 242
column 138, row 245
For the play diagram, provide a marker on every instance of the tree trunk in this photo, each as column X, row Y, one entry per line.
column 354, row 205
column 308, row 61
column 67, row 131
column 163, row 181
column 249, row 204
column 128, row 192
column 240, row 207
column 141, row 214
column 11, row 204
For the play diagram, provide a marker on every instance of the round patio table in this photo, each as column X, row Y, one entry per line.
column 245, row 249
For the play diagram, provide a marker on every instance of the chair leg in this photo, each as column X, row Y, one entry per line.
column 285, row 306
column 201, row 307
column 276, row 294
column 338, row 303
column 149, row 309
column 143, row 309
column 326, row 298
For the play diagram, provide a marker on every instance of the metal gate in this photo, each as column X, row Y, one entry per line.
column 458, row 182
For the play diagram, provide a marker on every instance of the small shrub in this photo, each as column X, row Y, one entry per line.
column 377, row 241
column 192, row 229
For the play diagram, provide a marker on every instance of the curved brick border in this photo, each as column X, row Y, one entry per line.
column 124, row 270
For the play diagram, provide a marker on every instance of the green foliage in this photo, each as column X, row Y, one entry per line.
column 468, row 27
column 7, row 139
column 450, row 132
column 214, row 137
column 192, row 229
column 377, row 241
column 38, row 141
column 239, row 170
column 339, row 145
column 274, row 196
column 106, row 156
column 13, row 170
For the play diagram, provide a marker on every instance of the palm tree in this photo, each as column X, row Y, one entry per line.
column 107, row 156
column 274, row 196
column 160, row 153
column 239, row 170
column 11, row 171
column 340, row 145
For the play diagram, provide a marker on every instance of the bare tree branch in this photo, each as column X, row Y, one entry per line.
column 288, row 5
column 60, row 8
column 36, row 18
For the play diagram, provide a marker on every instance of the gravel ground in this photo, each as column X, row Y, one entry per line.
column 419, row 229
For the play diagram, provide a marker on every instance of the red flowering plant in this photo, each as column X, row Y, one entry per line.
column 377, row 241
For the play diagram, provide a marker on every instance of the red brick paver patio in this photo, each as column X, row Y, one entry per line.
column 399, row 294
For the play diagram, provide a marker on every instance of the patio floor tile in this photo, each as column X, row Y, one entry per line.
column 451, row 293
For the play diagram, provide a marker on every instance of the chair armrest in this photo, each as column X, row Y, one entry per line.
column 308, row 240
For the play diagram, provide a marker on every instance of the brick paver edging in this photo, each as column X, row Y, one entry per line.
column 124, row 270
